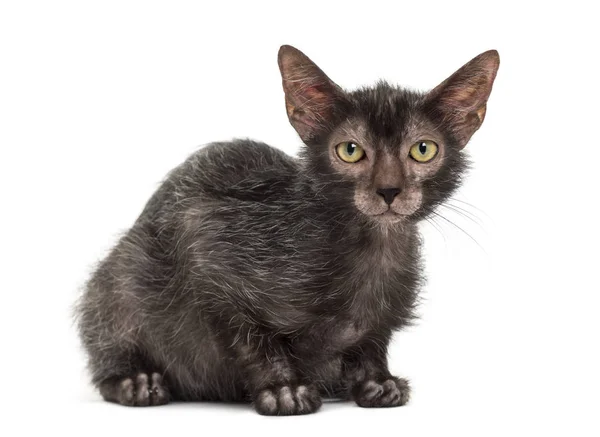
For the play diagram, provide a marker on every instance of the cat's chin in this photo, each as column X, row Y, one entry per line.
column 388, row 217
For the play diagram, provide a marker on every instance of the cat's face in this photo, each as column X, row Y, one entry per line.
column 396, row 162
column 393, row 154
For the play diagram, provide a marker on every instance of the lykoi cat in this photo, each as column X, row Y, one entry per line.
column 255, row 276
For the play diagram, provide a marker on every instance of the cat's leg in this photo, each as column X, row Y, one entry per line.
column 121, row 372
column 365, row 373
column 124, row 377
column 140, row 389
column 110, row 323
column 274, row 383
column 118, row 369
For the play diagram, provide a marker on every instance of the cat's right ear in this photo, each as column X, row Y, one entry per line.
column 313, row 101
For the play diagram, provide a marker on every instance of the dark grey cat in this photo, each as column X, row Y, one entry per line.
column 255, row 276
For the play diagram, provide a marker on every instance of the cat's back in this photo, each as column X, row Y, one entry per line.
column 243, row 170
column 238, row 169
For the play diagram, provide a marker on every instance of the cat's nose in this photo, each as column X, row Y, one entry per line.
column 388, row 194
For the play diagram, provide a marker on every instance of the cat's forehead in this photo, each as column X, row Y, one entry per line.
column 386, row 115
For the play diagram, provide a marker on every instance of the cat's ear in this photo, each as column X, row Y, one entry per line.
column 462, row 98
column 313, row 102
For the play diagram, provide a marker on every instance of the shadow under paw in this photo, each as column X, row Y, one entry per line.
column 393, row 392
column 139, row 390
column 288, row 400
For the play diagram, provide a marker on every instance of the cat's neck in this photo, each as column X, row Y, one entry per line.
column 343, row 227
column 387, row 238
column 346, row 224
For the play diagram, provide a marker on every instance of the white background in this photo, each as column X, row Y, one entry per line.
column 99, row 100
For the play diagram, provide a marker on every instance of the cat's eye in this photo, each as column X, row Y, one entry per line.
column 349, row 152
column 423, row 151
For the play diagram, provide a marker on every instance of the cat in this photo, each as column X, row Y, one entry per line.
column 254, row 276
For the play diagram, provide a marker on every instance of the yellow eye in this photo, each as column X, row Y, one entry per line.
column 349, row 152
column 423, row 151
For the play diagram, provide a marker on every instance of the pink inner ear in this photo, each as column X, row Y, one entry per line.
column 468, row 95
column 310, row 105
column 463, row 97
column 309, row 94
column 312, row 95
column 312, row 91
column 468, row 89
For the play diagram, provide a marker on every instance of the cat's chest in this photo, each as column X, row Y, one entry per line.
column 372, row 292
column 380, row 284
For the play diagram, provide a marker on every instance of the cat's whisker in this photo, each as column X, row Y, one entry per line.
column 461, row 229
column 464, row 210
column 437, row 227
column 467, row 204
column 460, row 213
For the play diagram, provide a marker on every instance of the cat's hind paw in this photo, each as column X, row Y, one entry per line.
column 288, row 400
column 139, row 390
column 393, row 392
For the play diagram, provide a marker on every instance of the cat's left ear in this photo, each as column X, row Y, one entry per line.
column 462, row 98
column 313, row 101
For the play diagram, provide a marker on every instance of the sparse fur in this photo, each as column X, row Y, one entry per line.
column 252, row 276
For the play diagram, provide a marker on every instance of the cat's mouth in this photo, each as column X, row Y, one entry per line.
column 388, row 213
column 401, row 208
column 389, row 216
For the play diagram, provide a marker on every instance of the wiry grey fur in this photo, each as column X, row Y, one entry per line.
column 254, row 276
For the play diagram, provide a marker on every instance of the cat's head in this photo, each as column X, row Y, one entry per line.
column 391, row 153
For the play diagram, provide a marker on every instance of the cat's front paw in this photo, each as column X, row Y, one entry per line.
column 392, row 392
column 288, row 400
column 140, row 390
